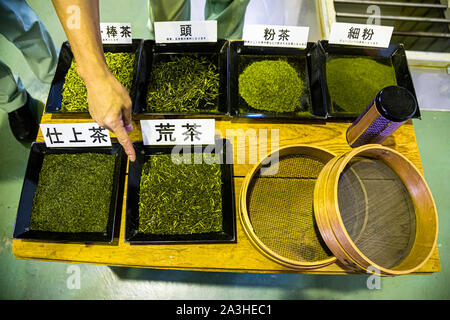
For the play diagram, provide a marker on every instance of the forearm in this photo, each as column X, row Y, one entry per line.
column 81, row 22
column 109, row 102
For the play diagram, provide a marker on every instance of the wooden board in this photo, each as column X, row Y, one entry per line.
column 238, row 257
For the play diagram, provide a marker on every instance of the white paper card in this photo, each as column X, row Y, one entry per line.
column 360, row 35
column 275, row 36
column 185, row 31
column 115, row 32
column 90, row 134
column 178, row 131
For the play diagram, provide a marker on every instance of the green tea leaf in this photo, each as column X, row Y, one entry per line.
column 74, row 93
column 179, row 198
column 353, row 82
column 184, row 83
column 73, row 193
column 271, row 85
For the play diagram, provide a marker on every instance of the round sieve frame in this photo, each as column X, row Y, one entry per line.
column 332, row 228
column 319, row 153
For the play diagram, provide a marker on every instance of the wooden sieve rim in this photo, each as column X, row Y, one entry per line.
column 424, row 208
column 322, row 220
column 245, row 219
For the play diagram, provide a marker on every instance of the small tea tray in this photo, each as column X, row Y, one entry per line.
column 153, row 53
column 132, row 233
column 322, row 51
column 36, row 158
column 65, row 59
column 240, row 56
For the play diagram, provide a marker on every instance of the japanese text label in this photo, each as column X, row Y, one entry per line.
column 75, row 135
column 185, row 31
column 275, row 36
column 178, row 131
column 361, row 35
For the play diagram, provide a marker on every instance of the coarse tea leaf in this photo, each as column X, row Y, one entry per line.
column 73, row 193
column 183, row 83
column 179, row 198
column 74, row 94
column 353, row 82
column 271, row 85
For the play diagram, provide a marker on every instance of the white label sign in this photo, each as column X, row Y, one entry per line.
column 113, row 32
column 275, row 36
column 185, row 31
column 75, row 135
column 361, row 35
column 178, row 131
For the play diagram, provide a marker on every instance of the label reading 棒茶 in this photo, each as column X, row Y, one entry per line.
column 115, row 32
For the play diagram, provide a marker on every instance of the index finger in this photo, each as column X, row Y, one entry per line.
column 125, row 141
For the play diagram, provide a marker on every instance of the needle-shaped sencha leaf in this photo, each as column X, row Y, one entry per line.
column 183, row 83
column 74, row 93
column 73, row 193
column 179, row 198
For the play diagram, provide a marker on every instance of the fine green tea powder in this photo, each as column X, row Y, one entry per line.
column 74, row 93
column 180, row 198
column 184, row 83
column 271, row 85
column 73, row 193
column 353, row 82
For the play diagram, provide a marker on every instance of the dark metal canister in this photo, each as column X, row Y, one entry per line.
column 392, row 107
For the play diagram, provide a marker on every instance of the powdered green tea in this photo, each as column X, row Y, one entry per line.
column 271, row 85
column 353, row 82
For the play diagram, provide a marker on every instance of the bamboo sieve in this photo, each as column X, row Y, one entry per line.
column 375, row 211
column 276, row 210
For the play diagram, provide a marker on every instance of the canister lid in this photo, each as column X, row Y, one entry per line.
column 396, row 103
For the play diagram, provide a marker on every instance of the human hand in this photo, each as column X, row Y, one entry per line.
column 110, row 106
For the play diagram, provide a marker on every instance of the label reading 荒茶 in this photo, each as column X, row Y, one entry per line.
column 178, row 131
column 275, row 36
column 360, row 35
column 59, row 135
column 185, row 31
column 115, row 32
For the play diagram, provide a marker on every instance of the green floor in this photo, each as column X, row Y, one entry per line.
column 21, row 279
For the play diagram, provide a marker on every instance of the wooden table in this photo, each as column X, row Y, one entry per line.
column 237, row 257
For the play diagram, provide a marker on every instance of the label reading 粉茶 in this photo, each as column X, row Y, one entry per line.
column 275, row 36
column 115, row 32
column 185, row 31
column 90, row 134
column 360, row 35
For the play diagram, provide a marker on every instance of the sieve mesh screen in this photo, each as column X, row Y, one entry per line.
column 377, row 211
column 280, row 209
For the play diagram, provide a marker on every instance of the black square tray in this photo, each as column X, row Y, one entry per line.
column 395, row 53
column 310, row 101
column 35, row 160
column 64, row 62
column 152, row 52
column 132, row 234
